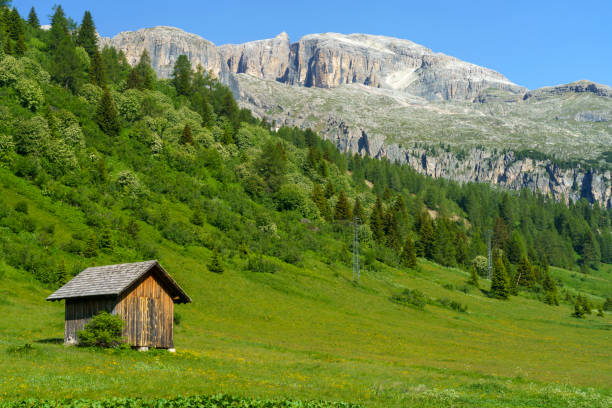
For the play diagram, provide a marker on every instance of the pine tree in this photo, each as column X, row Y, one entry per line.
column 215, row 262
column 425, row 243
column 377, row 221
column 391, row 228
column 106, row 239
column 133, row 80
column 329, row 190
column 20, row 46
column 142, row 75
column 525, row 276
column 550, row 290
column 97, row 75
column 59, row 28
column 62, row 273
column 197, row 218
column 342, row 212
column 182, row 75
column 318, row 197
column 86, row 35
column 67, row 68
column 408, row 256
column 578, row 310
column 107, row 116
column 473, row 277
column 91, row 247
column 33, row 20
column 358, row 211
column 186, row 136
column 499, row 281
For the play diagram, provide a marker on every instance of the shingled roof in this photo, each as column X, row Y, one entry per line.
column 113, row 280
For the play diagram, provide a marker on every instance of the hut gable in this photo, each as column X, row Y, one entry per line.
column 143, row 294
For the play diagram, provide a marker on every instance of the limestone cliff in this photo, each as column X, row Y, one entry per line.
column 388, row 97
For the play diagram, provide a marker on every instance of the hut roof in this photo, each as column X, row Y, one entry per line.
column 113, row 280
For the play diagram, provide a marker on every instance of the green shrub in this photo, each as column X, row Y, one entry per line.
column 411, row 297
column 258, row 263
column 104, row 330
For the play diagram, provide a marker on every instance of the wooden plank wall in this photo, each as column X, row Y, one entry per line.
column 80, row 311
column 148, row 311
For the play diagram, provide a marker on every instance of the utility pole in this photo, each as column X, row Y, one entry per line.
column 356, row 249
column 489, row 256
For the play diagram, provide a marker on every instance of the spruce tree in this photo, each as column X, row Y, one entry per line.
column 391, row 228
column 107, row 116
column 59, row 28
column 106, row 239
column 91, row 247
column 525, row 276
column 358, row 211
column 186, row 136
column 473, row 277
column 408, row 256
column 578, row 310
column 86, row 35
column 197, row 218
column 425, row 243
column 215, row 262
column 342, row 212
column 62, row 273
column 499, row 281
column 377, row 221
column 20, row 46
column 329, row 190
column 318, row 197
column 182, row 75
column 97, row 75
column 67, row 68
column 33, row 20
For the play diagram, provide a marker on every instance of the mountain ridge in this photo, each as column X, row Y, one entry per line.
column 392, row 98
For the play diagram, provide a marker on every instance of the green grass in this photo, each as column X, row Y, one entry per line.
column 309, row 333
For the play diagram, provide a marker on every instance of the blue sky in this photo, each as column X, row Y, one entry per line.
column 534, row 43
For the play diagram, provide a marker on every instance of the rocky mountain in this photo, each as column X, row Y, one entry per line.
column 392, row 98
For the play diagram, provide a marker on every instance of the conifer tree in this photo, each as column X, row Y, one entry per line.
column 358, row 211
column 525, row 276
column 107, row 116
column 499, row 281
column 473, row 277
column 197, row 218
column 318, row 197
column 215, row 262
column 91, row 247
column 377, row 221
column 391, row 228
column 59, row 28
column 408, row 256
column 67, row 68
column 329, row 190
column 578, row 310
column 106, row 239
column 33, row 20
column 86, row 35
column 387, row 194
column 425, row 243
column 62, row 273
column 186, row 136
column 142, row 75
column 182, row 75
column 342, row 211
column 550, row 290
column 97, row 75
column 20, row 46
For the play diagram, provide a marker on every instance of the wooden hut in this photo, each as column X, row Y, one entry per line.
column 142, row 293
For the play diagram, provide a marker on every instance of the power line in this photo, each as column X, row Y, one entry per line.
column 356, row 271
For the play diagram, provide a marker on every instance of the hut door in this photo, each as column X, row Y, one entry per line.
column 152, row 322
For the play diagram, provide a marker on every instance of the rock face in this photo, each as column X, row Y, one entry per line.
column 574, row 87
column 387, row 97
column 322, row 60
column 164, row 45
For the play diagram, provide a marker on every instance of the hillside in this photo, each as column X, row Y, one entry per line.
column 102, row 162
column 390, row 97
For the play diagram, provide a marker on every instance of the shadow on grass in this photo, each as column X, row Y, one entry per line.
column 54, row 340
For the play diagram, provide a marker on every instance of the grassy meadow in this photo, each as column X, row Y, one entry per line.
column 310, row 333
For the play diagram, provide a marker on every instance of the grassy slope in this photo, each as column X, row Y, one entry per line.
column 310, row 333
